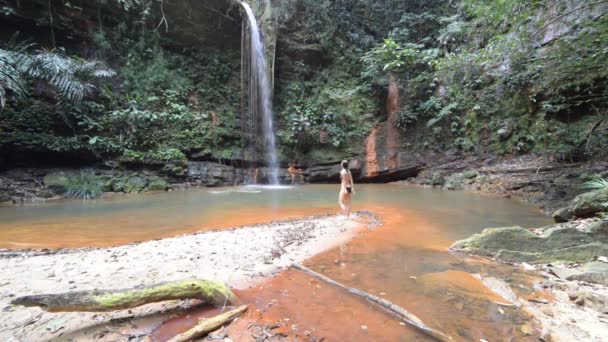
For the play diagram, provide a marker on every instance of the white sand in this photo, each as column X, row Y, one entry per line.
column 241, row 257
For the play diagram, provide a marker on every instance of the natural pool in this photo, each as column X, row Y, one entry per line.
column 405, row 261
column 122, row 219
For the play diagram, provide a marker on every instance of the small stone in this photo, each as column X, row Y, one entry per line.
column 538, row 300
column 526, row 329
column 364, row 327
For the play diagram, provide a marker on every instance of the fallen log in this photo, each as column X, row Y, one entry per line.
column 392, row 308
column 208, row 325
column 216, row 293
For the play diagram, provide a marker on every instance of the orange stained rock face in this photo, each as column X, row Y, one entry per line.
column 393, row 135
column 371, row 156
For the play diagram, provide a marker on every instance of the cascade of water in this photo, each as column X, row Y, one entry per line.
column 260, row 96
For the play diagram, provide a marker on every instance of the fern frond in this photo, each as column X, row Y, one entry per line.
column 597, row 183
column 67, row 75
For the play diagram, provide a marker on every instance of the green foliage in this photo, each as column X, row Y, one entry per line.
column 596, row 183
column 390, row 56
column 148, row 71
column 68, row 76
column 83, row 185
column 332, row 110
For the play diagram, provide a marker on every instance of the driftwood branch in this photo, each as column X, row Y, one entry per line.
column 392, row 308
column 212, row 292
column 208, row 325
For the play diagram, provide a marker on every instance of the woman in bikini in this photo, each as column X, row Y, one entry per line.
column 346, row 188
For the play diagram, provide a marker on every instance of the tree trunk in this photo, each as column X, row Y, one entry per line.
column 394, row 309
column 212, row 292
column 208, row 325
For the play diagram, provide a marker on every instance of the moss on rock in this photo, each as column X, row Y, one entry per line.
column 157, row 184
column 590, row 203
column 134, row 184
column 56, row 180
column 557, row 243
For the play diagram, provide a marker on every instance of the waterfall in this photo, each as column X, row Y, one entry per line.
column 260, row 95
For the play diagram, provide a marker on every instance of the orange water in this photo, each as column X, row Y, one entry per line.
column 405, row 260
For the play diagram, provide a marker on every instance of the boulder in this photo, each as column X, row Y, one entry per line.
column 592, row 272
column 176, row 168
column 56, row 179
column 562, row 215
column 157, row 184
column 211, row 174
column 437, row 179
column 330, row 173
column 590, row 203
column 470, row 174
column 393, row 174
column 557, row 243
column 454, row 182
column 135, row 184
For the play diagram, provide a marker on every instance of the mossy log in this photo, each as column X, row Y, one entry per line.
column 392, row 308
column 208, row 325
column 213, row 292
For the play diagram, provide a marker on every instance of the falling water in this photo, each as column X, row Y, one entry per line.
column 260, row 95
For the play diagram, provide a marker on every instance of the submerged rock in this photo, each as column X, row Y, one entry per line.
column 557, row 243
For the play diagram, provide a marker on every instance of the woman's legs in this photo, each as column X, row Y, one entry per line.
column 341, row 201
column 347, row 203
column 344, row 202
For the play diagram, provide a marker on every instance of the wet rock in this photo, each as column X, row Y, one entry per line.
column 176, row 168
column 211, row 174
column 157, row 184
column 330, row 172
column 592, row 272
column 117, row 184
column 44, row 194
column 565, row 273
column 135, row 184
column 562, row 215
column 527, row 329
column 557, row 243
column 470, row 174
column 454, row 182
column 56, row 179
column 501, row 288
column 437, row 179
column 590, row 203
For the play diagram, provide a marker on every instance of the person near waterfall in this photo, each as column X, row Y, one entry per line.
column 346, row 188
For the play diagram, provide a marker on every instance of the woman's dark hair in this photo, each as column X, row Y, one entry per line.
column 345, row 164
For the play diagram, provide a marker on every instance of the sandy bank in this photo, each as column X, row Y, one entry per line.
column 241, row 257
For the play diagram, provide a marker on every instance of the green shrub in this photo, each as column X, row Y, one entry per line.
column 596, row 183
column 83, row 185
